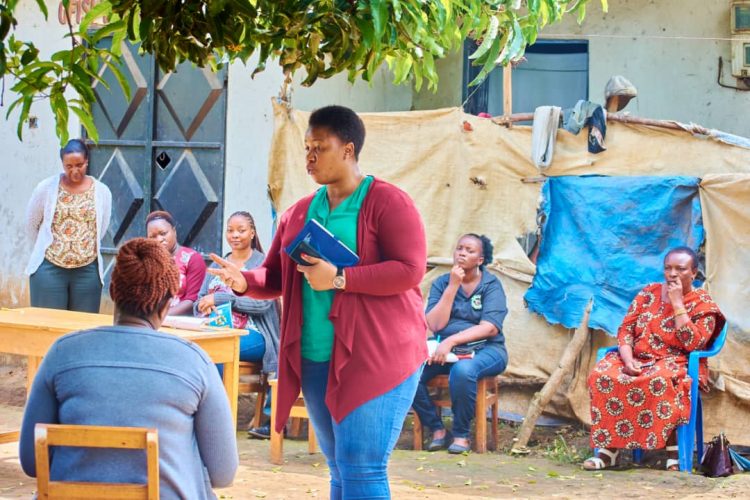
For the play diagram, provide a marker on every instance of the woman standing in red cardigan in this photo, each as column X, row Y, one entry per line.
column 352, row 339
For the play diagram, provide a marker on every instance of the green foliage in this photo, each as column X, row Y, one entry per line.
column 321, row 37
column 560, row 451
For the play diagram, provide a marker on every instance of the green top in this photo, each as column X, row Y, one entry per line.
column 317, row 329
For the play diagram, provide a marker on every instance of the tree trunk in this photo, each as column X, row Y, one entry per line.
column 541, row 398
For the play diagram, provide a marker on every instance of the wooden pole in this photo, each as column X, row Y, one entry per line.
column 541, row 398
column 508, row 120
column 507, row 90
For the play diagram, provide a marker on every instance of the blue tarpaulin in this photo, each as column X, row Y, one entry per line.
column 605, row 238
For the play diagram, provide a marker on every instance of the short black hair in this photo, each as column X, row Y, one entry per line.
column 75, row 146
column 687, row 251
column 487, row 247
column 342, row 122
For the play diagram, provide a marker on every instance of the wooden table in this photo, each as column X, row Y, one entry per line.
column 30, row 331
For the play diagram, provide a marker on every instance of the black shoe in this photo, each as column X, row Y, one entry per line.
column 440, row 443
column 262, row 432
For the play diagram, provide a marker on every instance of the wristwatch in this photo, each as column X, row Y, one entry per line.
column 339, row 281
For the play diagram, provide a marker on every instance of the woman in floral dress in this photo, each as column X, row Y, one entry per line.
column 641, row 393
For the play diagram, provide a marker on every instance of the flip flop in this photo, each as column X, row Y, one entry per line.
column 598, row 463
column 673, row 462
column 457, row 449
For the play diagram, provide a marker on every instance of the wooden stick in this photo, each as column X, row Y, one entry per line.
column 507, row 120
column 541, row 398
column 508, row 89
column 521, row 382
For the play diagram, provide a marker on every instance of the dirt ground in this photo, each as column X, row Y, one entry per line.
column 551, row 470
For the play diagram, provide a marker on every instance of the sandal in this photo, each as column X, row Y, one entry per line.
column 596, row 463
column 439, row 443
column 673, row 464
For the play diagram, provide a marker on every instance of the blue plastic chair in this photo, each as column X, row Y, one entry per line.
column 690, row 434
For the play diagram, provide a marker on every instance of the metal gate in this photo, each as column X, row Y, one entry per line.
column 163, row 149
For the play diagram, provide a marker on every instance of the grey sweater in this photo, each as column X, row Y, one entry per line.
column 137, row 377
column 264, row 313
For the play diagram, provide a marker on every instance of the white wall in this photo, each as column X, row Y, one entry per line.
column 248, row 137
column 665, row 48
column 250, row 127
column 248, row 141
column 26, row 163
column 675, row 75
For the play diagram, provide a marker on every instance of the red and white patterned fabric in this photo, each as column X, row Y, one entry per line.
column 642, row 411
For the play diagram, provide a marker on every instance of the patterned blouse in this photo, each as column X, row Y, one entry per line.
column 73, row 229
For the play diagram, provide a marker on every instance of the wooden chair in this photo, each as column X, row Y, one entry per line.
column 487, row 397
column 90, row 436
column 299, row 411
column 252, row 379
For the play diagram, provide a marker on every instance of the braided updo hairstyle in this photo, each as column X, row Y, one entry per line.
column 144, row 279
column 487, row 248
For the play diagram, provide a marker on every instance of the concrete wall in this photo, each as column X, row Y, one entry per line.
column 248, row 138
column 675, row 79
column 250, row 127
column 26, row 163
column 650, row 43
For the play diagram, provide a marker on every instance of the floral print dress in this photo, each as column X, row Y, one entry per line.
column 642, row 411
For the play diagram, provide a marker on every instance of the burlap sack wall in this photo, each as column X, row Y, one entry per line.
column 471, row 181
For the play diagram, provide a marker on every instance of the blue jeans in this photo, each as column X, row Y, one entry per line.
column 357, row 449
column 462, row 377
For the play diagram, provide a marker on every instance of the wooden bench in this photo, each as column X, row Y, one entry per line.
column 487, row 397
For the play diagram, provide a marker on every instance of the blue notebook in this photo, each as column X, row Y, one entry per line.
column 317, row 241
column 222, row 316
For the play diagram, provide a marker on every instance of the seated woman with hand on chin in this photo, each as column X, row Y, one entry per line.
column 465, row 310
column 640, row 394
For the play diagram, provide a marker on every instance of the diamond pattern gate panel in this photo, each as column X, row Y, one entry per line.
column 189, row 153
column 161, row 148
column 121, row 159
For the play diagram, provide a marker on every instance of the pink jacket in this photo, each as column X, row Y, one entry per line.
column 378, row 320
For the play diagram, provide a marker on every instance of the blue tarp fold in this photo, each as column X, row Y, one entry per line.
column 606, row 237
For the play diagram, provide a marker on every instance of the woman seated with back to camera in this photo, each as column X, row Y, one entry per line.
column 641, row 393
column 132, row 375
column 465, row 310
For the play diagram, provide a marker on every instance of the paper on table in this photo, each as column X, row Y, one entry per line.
column 186, row 323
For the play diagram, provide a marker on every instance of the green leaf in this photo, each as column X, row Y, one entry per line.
column 379, row 10
column 87, row 121
column 43, row 7
column 27, row 99
column 115, row 69
column 489, row 39
column 490, row 62
column 107, row 30
column 101, row 9
column 29, row 55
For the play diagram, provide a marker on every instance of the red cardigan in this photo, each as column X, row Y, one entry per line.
column 378, row 321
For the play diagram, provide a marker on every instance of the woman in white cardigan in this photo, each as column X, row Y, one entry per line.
column 66, row 219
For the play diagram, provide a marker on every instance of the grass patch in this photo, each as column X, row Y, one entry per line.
column 560, row 451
